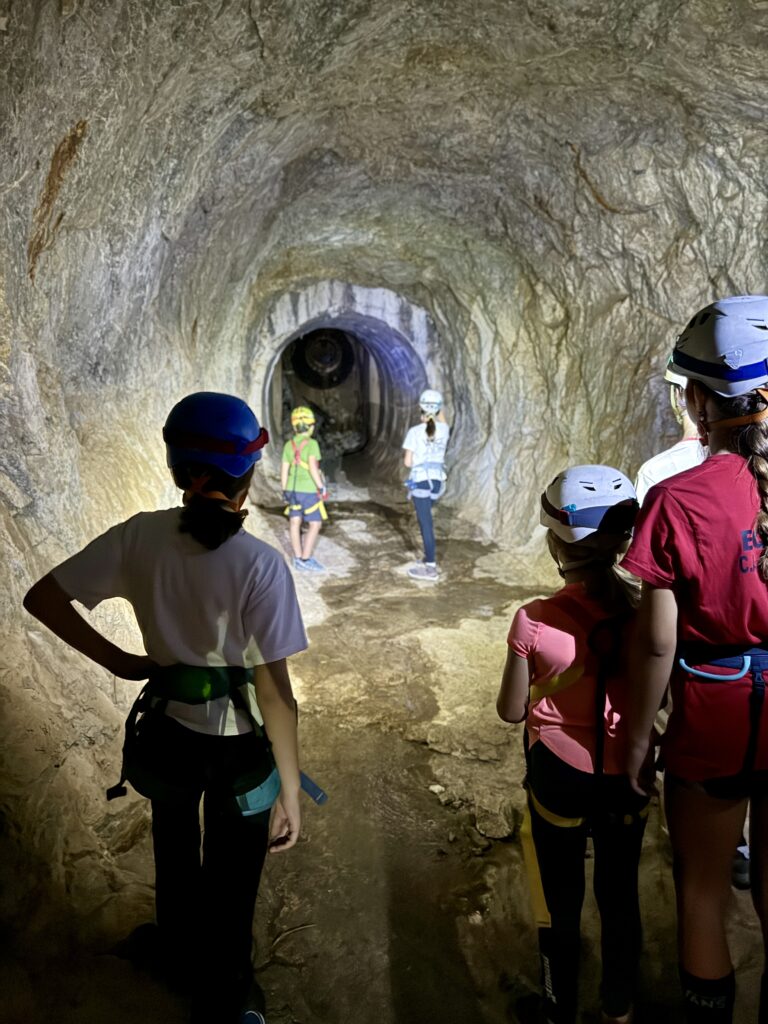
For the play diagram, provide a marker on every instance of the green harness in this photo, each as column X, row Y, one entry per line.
column 192, row 684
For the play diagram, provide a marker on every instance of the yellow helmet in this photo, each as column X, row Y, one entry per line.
column 302, row 417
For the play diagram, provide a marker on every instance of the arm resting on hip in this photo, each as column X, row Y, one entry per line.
column 49, row 603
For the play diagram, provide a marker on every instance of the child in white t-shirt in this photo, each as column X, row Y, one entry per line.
column 424, row 448
column 218, row 615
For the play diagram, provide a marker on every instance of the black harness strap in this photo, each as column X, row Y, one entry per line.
column 153, row 700
column 141, row 706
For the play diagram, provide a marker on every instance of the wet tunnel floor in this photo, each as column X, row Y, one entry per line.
column 418, row 915
column 406, row 899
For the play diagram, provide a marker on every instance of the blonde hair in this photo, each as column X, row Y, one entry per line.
column 604, row 579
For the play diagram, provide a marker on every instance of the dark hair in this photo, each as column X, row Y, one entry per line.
column 209, row 521
column 751, row 442
column 430, row 427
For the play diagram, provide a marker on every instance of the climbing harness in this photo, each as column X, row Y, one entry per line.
column 695, row 658
column 604, row 643
column 252, row 792
column 423, row 488
column 188, row 684
column 298, row 463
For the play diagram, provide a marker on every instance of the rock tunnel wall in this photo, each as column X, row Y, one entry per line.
column 556, row 186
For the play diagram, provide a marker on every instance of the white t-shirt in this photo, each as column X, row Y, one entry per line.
column 681, row 456
column 233, row 606
column 428, row 453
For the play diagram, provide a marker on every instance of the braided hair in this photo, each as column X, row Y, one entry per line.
column 751, row 442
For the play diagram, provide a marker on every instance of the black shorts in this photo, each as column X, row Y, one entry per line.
column 744, row 786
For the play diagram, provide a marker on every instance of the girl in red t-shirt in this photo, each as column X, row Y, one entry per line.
column 564, row 676
column 699, row 547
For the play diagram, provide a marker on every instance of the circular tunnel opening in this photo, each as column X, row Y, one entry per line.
column 362, row 378
column 333, row 373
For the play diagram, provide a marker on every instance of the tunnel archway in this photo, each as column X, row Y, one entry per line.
column 359, row 357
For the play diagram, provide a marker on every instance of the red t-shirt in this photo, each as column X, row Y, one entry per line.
column 695, row 535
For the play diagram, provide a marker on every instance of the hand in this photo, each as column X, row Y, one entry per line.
column 322, row 493
column 286, row 497
column 641, row 768
column 285, row 823
column 132, row 666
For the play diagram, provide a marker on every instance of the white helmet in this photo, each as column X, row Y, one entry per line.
column 430, row 402
column 677, row 379
column 725, row 346
column 589, row 499
column 677, row 385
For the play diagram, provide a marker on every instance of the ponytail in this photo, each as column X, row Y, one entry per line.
column 431, row 427
column 210, row 521
column 751, row 442
column 602, row 578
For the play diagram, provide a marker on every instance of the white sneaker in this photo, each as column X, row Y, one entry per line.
column 423, row 571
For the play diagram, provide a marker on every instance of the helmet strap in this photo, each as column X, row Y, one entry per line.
column 753, row 417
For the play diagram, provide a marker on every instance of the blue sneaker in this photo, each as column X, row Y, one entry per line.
column 299, row 563
column 313, row 565
column 253, row 1017
column 424, row 571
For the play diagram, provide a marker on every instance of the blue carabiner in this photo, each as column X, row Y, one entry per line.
column 746, row 663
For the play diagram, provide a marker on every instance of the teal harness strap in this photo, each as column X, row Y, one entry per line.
column 195, row 684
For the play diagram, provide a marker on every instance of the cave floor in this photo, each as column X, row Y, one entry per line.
column 405, row 899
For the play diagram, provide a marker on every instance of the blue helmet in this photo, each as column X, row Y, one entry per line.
column 216, row 430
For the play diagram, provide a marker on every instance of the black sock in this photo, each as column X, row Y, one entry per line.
column 708, row 1000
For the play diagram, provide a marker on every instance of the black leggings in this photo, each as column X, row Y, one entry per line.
column 614, row 816
column 205, row 904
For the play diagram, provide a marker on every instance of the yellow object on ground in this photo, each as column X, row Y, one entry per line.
column 531, row 861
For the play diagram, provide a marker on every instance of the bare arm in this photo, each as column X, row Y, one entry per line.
column 284, row 467
column 278, row 708
column 512, row 702
column 408, row 458
column 53, row 607
column 651, row 658
column 314, row 472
